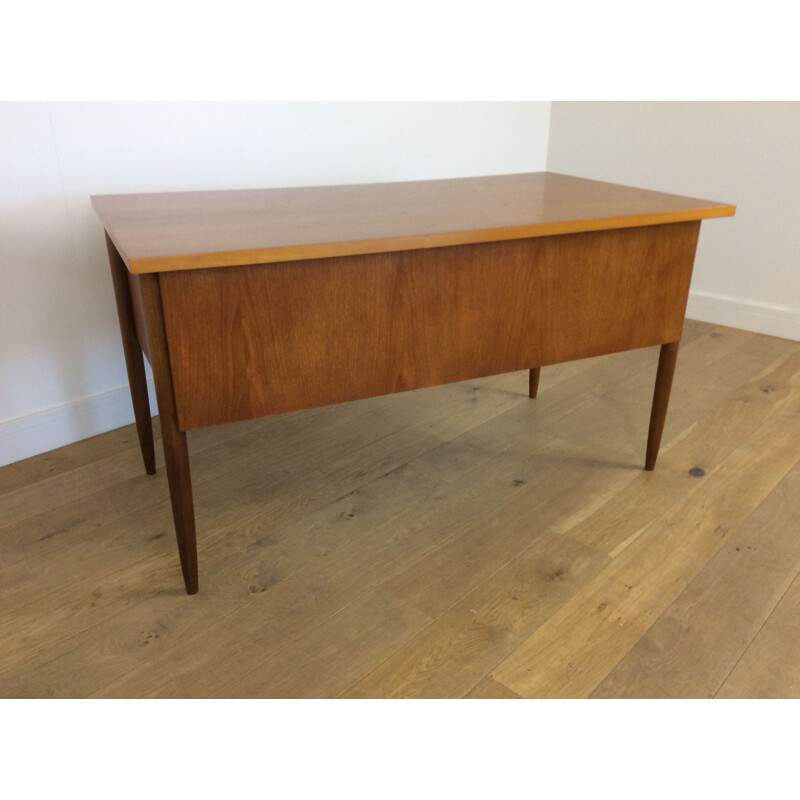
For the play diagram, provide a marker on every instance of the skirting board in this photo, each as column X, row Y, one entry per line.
column 781, row 321
column 38, row 433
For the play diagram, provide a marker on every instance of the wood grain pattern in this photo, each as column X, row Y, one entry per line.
column 196, row 230
column 490, row 689
column 769, row 667
column 710, row 427
column 363, row 458
column 451, row 654
column 176, row 452
column 265, row 339
column 700, row 638
column 667, row 359
column 262, row 302
column 613, row 612
column 304, row 552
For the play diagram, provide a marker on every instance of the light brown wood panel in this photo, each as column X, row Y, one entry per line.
column 308, row 520
column 194, row 230
column 450, row 655
column 322, row 461
column 610, row 615
column 62, row 486
column 295, row 579
column 329, row 657
column 703, row 445
column 490, row 689
column 263, row 339
column 770, row 667
column 283, row 523
column 699, row 639
column 707, row 371
column 505, row 525
column 435, row 582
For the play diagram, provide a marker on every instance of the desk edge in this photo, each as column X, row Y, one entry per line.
column 271, row 255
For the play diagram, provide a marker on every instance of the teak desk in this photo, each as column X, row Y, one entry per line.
column 257, row 302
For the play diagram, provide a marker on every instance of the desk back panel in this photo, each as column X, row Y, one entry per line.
column 254, row 340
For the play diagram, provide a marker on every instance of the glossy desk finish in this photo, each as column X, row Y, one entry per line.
column 258, row 302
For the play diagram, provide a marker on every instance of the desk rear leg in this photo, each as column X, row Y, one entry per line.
column 667, row 359
column 134, row 361
column 176, row 452
column 533, row 382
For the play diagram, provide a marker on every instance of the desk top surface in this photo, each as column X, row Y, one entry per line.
column 193, row 230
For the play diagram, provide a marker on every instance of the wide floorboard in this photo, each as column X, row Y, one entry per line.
column 461, row 541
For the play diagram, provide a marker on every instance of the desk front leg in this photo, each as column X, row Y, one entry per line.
column 533, row 382
column 667, row 359
column 176, row 453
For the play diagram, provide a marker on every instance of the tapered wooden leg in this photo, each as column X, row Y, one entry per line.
column 176, row 453
column 533, row 381
column 666, row 369
column 133, row 357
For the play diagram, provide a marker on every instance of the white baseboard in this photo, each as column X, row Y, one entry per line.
column 38, row 433
column 781, row 321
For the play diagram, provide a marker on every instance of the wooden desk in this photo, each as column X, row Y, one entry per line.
column 250, row 303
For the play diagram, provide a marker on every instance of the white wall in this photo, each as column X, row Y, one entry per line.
column 62, row 373
column 747, row 272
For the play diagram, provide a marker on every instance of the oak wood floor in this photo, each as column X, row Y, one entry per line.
column 462, row 541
